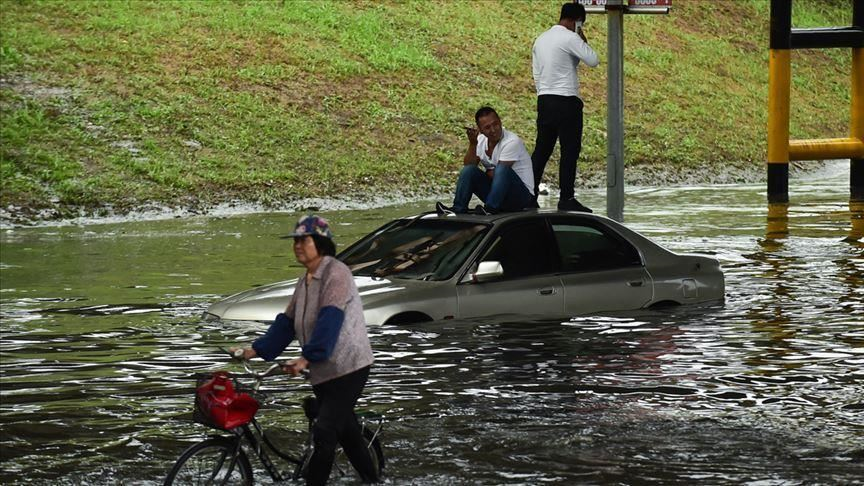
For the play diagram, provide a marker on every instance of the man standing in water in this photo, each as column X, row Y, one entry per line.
column 555, row 62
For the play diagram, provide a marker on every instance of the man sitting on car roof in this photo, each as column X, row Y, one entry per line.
column 497, row 169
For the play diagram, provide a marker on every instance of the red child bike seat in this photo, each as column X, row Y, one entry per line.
column 219, row 404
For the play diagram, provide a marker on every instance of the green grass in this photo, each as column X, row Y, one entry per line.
column 131, row 102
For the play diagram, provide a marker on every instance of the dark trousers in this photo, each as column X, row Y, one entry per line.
column 337, row 425
column 558, row 118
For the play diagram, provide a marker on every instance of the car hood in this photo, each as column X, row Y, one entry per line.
column 263, row 303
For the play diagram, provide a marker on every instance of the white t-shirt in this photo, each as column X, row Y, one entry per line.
column 555, row 61
column 511, row 147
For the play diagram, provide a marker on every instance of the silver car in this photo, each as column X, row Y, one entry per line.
column 537, row 264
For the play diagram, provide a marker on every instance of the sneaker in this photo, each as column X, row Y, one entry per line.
column 573, row 205
column 542, row 189
column 482, row 210
column 442, row 210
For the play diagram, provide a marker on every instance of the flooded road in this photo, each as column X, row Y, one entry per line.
column 101, row 329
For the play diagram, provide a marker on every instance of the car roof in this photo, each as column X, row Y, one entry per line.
column 503, row 217
column 645, row 245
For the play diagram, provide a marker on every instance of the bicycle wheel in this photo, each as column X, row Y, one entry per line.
column 342, row 466
column 375, row 450
column 209, row 462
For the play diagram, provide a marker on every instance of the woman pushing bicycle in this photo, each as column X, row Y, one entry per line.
column 325, row 315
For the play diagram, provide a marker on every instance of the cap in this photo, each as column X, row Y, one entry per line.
column 312, row 225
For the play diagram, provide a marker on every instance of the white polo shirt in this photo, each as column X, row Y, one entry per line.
column 555, row 61
column 511, row 147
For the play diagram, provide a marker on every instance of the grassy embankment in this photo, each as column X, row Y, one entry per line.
column 194, row 103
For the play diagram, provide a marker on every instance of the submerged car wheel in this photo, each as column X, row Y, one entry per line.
column 409, row 318
column 664, row 304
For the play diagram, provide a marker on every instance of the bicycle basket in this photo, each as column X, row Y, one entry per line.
column 219, row 403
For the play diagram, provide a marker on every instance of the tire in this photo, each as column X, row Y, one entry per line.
column 197, row 464
column 341, row 464
column 375, row 450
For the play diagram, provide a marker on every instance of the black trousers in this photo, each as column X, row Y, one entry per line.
column 337, row 425
column 559, row 118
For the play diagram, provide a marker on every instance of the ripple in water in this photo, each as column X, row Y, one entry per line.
column 97, row 357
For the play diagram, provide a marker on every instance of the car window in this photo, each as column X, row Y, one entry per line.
column 524, row 249
column 582, row 247
column 415, row 249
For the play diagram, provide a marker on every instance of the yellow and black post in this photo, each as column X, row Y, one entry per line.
column 856, row 167
column 780, row 149
column 779, row 82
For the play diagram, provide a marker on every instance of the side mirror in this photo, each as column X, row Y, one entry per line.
column 487, row 271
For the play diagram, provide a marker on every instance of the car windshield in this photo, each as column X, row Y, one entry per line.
column 415, row 249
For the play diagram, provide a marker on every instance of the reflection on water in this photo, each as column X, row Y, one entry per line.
column 856, row 215
column 777, row 222
column 101, row 330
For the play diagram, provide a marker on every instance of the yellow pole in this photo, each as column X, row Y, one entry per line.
column 779, row 82
column 826, row 148
column 856, row 132
column 857, row 119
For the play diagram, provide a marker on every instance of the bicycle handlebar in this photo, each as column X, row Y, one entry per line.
column 274, row 369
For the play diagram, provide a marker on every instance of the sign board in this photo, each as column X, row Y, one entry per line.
column 629, row 6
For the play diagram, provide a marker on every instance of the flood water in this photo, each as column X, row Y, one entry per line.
column 101, row 329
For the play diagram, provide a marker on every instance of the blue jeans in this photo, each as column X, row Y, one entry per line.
column 504, row 192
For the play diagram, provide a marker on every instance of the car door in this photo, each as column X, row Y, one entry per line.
column 600, row 270
column 529, row 285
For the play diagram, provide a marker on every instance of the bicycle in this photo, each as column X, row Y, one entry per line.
column 224, row 460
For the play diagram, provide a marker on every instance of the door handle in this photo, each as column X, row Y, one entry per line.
column 550, row 291
column 635, row 283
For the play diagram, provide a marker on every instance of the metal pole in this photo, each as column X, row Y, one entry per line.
column 856, row 164
column 779, row 87
column 615, row 115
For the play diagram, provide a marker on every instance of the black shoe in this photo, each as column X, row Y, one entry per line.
column 482, row 210
column 573, row 205
column 442, row 210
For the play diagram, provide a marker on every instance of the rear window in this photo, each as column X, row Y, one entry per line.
column 415, row 249
column 585, row 248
